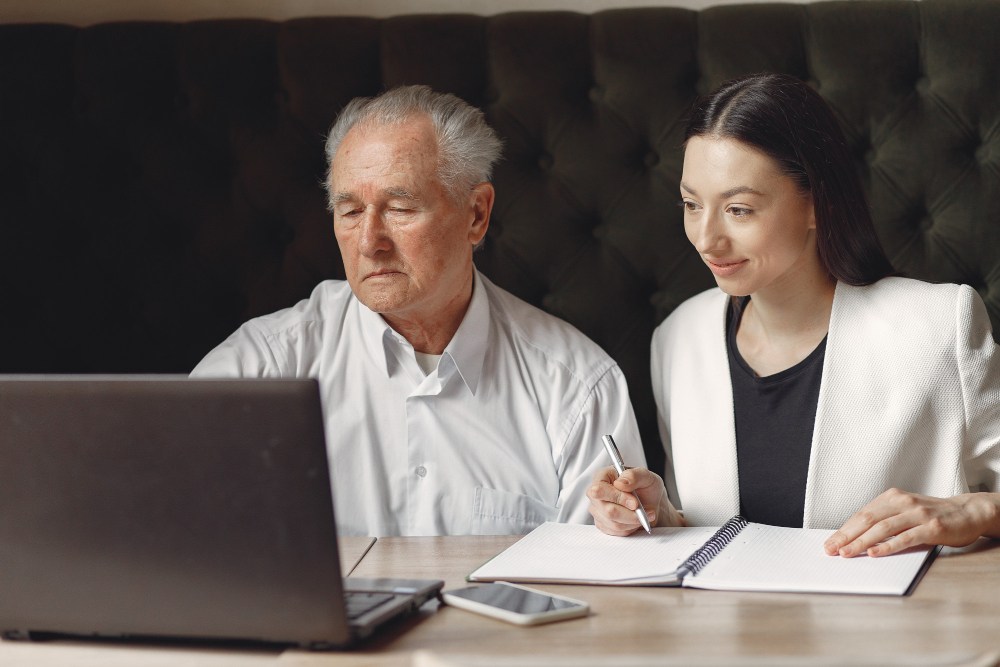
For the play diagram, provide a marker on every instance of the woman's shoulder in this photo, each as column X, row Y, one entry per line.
column 695, row 319
column 903, row 297
column 909, row 313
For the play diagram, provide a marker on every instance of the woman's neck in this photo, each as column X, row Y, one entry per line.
column 780, row 327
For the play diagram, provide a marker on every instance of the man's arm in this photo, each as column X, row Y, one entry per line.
column 244, row 354
column 607, row 410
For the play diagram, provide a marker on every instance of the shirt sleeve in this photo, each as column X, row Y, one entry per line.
column 979, row 369
column 245, row 353
column 606, row 410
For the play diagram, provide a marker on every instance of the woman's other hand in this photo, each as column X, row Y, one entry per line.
column 898, row 520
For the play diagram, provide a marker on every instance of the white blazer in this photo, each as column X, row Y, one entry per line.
column 909, row 398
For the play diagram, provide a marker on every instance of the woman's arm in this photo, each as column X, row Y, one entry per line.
column 897, row 519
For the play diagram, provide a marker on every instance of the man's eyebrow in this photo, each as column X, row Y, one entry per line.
column 398, row 193
column 402, row 193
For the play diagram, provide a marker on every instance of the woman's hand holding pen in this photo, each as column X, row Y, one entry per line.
column 613, row 506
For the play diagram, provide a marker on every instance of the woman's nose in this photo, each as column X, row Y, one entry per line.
column 705, row 232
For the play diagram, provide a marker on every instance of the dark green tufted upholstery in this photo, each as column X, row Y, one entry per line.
column 159, row 183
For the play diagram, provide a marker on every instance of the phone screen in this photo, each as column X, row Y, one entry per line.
column 513, row 599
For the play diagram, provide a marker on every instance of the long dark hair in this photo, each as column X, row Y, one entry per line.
column 787, row 120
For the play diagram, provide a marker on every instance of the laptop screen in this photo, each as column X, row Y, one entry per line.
column 136, row 506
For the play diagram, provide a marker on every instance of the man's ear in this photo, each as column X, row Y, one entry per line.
column 482, row 198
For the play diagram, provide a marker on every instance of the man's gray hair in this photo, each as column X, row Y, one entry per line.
column 467, row 147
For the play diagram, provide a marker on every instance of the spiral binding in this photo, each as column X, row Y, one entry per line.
column 723, row 536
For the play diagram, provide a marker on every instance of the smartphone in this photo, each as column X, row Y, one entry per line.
column 515, row 604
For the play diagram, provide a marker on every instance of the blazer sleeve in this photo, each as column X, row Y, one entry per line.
column 979, row 370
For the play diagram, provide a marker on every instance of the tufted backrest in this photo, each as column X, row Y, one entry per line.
column 159, row 182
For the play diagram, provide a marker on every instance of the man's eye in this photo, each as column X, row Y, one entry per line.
column 348, row 218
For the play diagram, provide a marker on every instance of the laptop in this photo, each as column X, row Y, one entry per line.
column 163, row 507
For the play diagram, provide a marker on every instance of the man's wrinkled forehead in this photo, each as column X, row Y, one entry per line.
column 407, row 149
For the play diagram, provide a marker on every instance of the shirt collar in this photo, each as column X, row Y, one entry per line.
column 467, row 348
column 466, row 351
column 377, row 336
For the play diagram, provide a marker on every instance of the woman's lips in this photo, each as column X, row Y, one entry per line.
column 724, row 269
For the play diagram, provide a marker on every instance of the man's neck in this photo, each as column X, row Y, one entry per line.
column 431, row 333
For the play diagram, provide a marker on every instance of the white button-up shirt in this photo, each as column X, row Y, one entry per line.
column 504, row 435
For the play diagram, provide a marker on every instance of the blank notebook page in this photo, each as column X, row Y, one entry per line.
column 556, row 551
column 792, row 559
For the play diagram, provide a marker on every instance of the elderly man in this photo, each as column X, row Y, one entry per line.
column 451, row 406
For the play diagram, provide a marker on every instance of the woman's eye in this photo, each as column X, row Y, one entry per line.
column 739, row 211
column 688, row 206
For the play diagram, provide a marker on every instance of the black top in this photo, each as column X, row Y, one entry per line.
column 774, row 426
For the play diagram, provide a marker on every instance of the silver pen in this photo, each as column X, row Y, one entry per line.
column 616, row 461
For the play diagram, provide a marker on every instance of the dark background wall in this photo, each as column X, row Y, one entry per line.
column 160, row 182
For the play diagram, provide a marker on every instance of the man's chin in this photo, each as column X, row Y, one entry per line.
column 381, row 301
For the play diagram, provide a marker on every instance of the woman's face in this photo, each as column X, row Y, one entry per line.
column 752, row 226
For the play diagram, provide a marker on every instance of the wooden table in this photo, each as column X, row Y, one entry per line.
column 953, row 618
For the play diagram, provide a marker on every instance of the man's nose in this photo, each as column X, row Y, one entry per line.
column 374, row 237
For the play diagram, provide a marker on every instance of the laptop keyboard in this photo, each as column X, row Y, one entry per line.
column 360, row 603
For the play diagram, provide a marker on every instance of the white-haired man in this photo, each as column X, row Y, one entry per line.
column 451, row 406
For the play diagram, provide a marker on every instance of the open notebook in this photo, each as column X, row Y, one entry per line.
column 739, row 556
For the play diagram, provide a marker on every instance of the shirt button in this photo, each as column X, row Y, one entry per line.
column 421, row 471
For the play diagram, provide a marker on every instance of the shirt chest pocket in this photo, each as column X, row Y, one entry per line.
column 496, row 512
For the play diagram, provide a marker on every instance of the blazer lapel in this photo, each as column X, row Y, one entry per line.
column 702, row 417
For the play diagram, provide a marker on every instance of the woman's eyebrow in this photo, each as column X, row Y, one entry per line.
column 741, row 190
column 732, row 192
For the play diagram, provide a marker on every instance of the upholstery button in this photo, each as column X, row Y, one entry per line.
column 545, row 161
column 595, row 94
column 982, row 153
column 421, row 471
column 651, row 160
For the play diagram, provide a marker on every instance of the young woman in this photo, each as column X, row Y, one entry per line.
column 812, row 388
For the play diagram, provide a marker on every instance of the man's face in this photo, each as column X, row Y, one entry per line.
column 406, row 244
